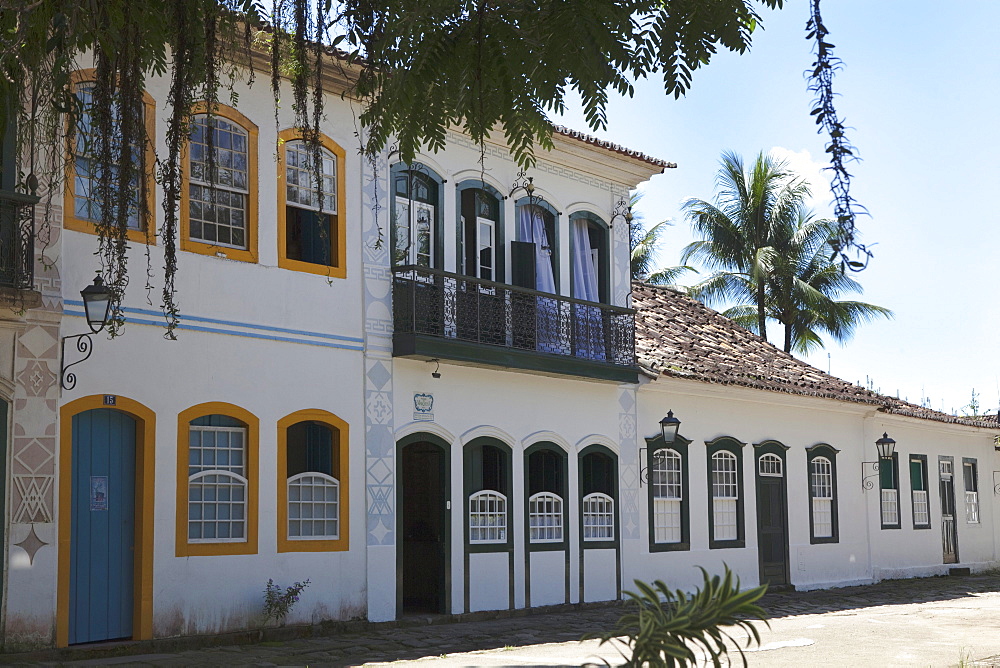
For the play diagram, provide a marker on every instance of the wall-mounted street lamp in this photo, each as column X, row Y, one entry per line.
column 526, row 183
column 97, row 306
column 623, row 211
column 886, row 447
column 668, row 430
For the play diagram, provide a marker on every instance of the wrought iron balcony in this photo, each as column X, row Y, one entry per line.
column 438, row 314
column 17, row 240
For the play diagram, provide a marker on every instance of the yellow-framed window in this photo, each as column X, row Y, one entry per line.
column 219, row 210
column 217, row 469
column 313, row 489
column 312, row 235
column 81, row 208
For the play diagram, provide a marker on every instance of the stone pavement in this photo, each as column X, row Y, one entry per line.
column 921, row 622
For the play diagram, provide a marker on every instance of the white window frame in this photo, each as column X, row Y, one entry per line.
column 920, row 497
column 84, row 163
column 487, row 517
column 890, row 507
column 725, row 497
column 667, row 481
column 821, row 486
column 313, row 481
column 238, row 482
column 770, row 465
column 300, row 176
column 492, row 246
column 410, row 210
column 236, row 473
column 598, row 517
column 545, row 518
column 219, row 187
column 971, row 495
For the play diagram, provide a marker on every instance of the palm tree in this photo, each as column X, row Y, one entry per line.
column 737, row 230
column 803, row 288
column 773, row 257
column 645, row 243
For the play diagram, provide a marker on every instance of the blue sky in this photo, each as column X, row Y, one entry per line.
column 920, row 90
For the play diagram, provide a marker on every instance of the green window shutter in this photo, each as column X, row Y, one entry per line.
column 917, row 481
column 885, row 474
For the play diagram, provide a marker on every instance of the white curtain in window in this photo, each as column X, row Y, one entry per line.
column 587, row 326
column 531, row 227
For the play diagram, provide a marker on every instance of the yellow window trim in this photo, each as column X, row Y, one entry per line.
column 145, row 461
column 339, row 270
column 183, row 548
column 188, row 244
column 70, row 221
column 284, row 543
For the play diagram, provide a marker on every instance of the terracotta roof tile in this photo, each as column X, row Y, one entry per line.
column 613, row 147
column 681, row 337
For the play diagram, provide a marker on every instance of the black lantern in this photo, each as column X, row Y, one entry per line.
column 97, row 304
column 886, row 446
column 668, row 427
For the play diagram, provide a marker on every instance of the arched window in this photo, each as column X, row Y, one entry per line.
column 535, row 253
column 668, row 492
column 598, row 491
column 311, row 230
column 590, row 257
column 416, row 217
column 822, row 493
column 769, row 464
column 82, row 206
column 481, row 233
column 312, row 489
column 487, row 483
column 219, row 200
column 217, row 473
column 725, row 493
column 545, row 468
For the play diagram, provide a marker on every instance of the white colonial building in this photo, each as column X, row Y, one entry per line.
column 431, row 393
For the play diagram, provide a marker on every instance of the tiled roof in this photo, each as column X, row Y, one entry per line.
column 611, row 146
column 680, row 337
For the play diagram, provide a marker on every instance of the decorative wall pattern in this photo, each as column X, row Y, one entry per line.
column 380, row 448
column 629, row 459
column 35, row 402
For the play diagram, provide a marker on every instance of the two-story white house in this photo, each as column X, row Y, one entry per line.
column 435, row 391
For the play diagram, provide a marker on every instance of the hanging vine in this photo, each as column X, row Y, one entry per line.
column 418, row 69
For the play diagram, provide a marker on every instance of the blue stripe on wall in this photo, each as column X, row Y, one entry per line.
column 231, row 323
column 248, row 335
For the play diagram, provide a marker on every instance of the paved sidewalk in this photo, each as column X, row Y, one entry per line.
column 926, row 622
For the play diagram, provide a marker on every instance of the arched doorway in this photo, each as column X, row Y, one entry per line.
column 423, row 500
column 105, row 523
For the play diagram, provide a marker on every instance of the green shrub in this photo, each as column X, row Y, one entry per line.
column 671, row 628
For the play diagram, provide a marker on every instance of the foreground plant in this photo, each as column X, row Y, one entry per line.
column 278, row 602
column 671, row 628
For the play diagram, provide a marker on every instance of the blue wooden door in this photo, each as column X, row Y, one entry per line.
column 103, row 526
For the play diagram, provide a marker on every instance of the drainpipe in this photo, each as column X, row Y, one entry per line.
column 866, row 432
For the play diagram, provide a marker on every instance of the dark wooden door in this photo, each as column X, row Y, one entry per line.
column 424, row 545
column 772, row 530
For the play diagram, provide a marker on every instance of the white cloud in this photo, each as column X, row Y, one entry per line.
column 802, row 163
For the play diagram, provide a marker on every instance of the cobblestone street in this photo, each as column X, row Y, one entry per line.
column 926, row 622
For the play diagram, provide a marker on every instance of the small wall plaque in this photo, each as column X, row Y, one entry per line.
column 110, row 400
column 423, row 407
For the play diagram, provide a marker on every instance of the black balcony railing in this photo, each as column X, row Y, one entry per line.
column 430, row 302
column 17, row 240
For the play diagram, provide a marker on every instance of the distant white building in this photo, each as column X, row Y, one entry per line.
column 430, row 394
